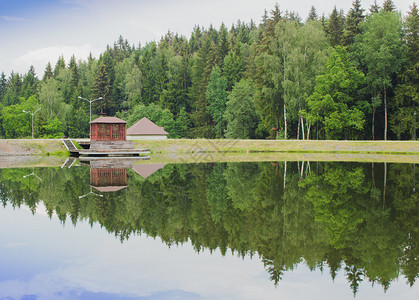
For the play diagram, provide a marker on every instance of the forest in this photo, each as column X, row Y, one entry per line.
column 347, row 76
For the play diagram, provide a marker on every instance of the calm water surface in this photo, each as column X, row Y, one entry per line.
column 277, row 230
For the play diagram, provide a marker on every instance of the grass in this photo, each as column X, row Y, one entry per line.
column 290, row 146
column 188, row 150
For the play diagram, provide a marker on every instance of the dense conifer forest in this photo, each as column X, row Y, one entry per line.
column 347, row 75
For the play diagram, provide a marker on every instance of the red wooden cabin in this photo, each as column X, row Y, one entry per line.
column 108, row 129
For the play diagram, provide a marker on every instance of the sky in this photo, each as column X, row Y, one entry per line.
column 41, row 258
column 38, row 32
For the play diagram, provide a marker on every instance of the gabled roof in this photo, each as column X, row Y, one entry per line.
column 145, row 170
column 146, row 127
column 113, row 120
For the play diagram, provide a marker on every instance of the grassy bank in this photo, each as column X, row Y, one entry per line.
column 39, row 147
column 185, row 146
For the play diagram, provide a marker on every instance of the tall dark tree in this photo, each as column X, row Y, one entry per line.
column 222, row 45
column 354, row 18
column 312, row 15
column 30, row 83
column 102, row 88
column 388, row 6
column 3, row 86
column 375, row 8
column 48, row 72
column 335, row 27
column 74, row 73
column 59, row 65
column 407, row 92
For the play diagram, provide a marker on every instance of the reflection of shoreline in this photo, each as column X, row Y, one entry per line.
column 55, row 161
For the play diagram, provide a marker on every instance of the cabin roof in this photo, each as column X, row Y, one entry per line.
column 108, row 120
column 146, row 127
column 107, row 189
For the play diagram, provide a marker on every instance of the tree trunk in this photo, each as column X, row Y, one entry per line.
column 285, row 120
column 385, row 115
column 298, row 129
column 373, row 122
column 285, row 174
column 302, row 127
column 385, row 184
column 308, row 129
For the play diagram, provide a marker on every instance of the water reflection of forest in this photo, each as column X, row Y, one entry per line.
column 360, row 219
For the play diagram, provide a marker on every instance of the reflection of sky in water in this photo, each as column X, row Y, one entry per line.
column 41, row 259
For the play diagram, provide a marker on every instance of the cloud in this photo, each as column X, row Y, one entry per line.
column 39, row 58
column 14, row 245
column 12, row 19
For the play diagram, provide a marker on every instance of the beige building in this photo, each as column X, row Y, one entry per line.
column 146, row 130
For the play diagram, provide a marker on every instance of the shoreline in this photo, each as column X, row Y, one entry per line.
column 38, row 152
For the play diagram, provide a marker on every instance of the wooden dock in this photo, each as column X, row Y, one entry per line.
column 106, row 149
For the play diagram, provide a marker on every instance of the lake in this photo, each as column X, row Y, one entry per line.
column 267, row 230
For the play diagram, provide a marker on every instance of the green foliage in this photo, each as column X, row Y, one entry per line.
column 333, row 97
column 217, row 97
column 16, row 123
column 242, row 119
column 281, row 55
column 54, row 129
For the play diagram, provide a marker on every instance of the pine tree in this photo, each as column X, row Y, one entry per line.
column 388, row 6
column 335, row 27
column 30, row 83
column 312, row 15
column 102, row 88
column 375, row 9
column 3, row 86
column 74, row 73
column 354, row 18
column 48, row 72
column 59, row 65
column 222, row 46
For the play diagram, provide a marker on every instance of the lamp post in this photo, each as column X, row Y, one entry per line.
column 90, row 101
column 29, row 112
column 90, row 193
column 414, row 126
column 317, row 125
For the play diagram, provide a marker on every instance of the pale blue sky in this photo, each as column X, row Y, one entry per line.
column 35, row 32
column 40, row 258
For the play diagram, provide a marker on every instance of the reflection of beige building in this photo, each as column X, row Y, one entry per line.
column 145, row 170
column 146, row 130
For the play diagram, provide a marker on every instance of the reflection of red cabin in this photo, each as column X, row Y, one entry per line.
column 108, row 129
column 108, row 180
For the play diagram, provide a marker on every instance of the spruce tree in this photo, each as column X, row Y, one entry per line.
column 335, row 27
column 312, row 15
column 375, row 9
column 102, row 88
column 30, row 83
column 354, row 18
column 75, row 77
column 48, row 72
column 59, row 65
column 3, row 86
column 388, row 6
column 222, row 46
